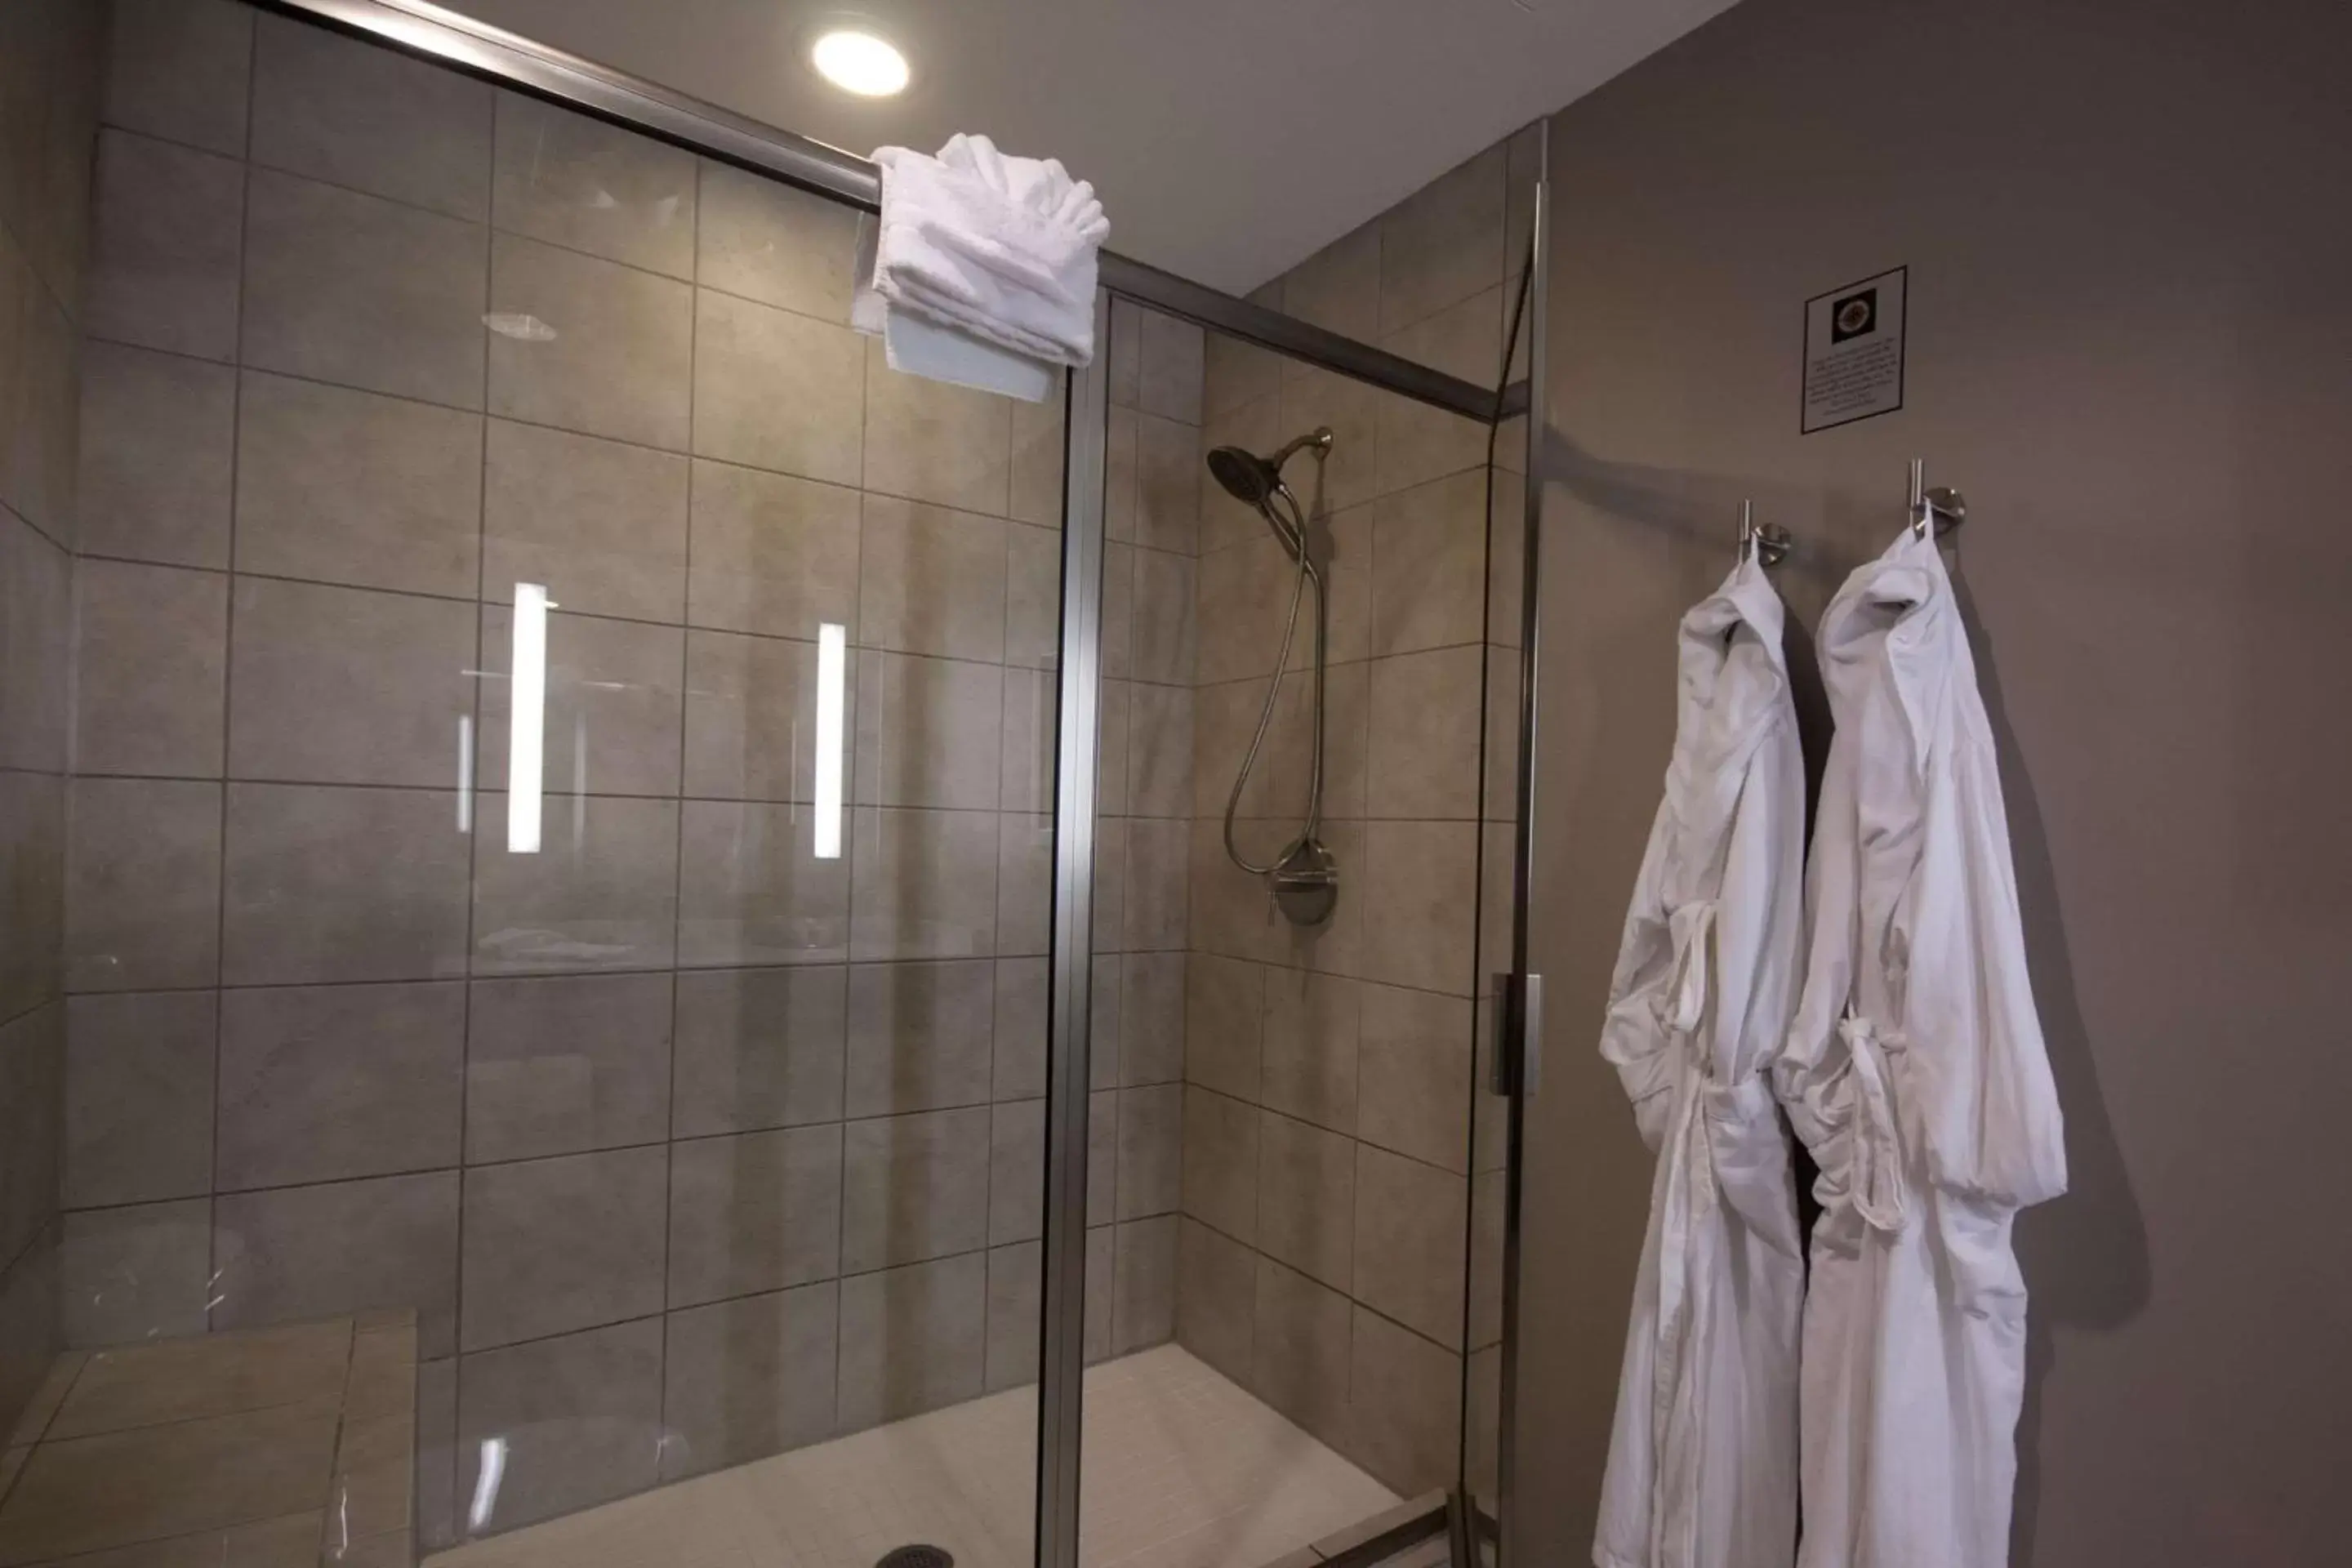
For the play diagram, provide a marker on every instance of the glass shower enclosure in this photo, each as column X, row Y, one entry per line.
column 609, row 818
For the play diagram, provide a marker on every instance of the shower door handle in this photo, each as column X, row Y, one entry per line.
column 1515, row 1064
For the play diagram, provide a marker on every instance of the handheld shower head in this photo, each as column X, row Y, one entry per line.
column 1247, row 478
column 1304, row 879
column 1251, row 479
column 1256, row 481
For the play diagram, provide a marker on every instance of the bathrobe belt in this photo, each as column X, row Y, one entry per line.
column 1685, row 1256
column 1874, row 1180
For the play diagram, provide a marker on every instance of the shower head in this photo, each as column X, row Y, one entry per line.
column 1247, row 477
column 1253, row 479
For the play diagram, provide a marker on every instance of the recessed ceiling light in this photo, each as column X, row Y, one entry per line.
column 860, row 63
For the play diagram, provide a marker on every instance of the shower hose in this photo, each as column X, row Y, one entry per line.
column 1292, row 527
column 1289, row 529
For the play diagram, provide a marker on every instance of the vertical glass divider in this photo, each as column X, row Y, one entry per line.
column 1509, row 1548
column 1063, row 1364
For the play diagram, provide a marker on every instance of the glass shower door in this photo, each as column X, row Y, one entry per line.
column 1325, row 1369
column 597, row 890
column 564, row 835
column 864, row 831
column 1290, row 1214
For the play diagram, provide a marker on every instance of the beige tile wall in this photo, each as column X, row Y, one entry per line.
column 1330, row 1165
column 687, row 1145
column 48, row 89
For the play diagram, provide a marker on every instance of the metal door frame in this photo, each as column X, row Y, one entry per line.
column 1062, row 1366
column 1519, row 1040
column 511, row 60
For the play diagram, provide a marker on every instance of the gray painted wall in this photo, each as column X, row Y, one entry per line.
column 2131, row 346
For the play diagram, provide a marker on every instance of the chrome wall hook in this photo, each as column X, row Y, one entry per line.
column 1769, row 541
column 1941, row 504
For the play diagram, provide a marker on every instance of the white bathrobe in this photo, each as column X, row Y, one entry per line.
column 1703, row 1458
column 1915, row 1072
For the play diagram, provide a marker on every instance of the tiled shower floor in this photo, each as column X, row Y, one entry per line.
column 1182, row 1469
column 284, row 1447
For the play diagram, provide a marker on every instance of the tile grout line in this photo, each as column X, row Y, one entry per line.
column 526, row 976
column 214, row 1297
column 327, row 1515
column 988, row 1168
column 687, row 625
column 489, row 222
column 40, row 1434
column 1373, row 638
column 57, row 1001
column 408, row 1173
column 470, row 810
column 851, row 719
column 484, row 413
column 1194, row 818
column 263, row 782
column 678, row 855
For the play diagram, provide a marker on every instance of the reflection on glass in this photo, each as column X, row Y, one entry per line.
column 832, row 660
column 527, row 728
column 580, row 775
column 466, row 772
column 493, row 1468
column 520, row 325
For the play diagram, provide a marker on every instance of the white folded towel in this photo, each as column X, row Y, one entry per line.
column 1002, row 248
column 921, row 346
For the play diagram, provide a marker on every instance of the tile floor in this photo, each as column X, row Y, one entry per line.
column 1429, row 1547
column 1182, row 1469
column 283, row 1447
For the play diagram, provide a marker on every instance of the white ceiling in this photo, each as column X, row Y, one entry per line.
column 1228, row 139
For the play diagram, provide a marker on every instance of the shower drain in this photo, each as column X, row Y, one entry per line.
column 915, row 1557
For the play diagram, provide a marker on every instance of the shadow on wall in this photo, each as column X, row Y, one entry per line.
column 2086, row 1255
